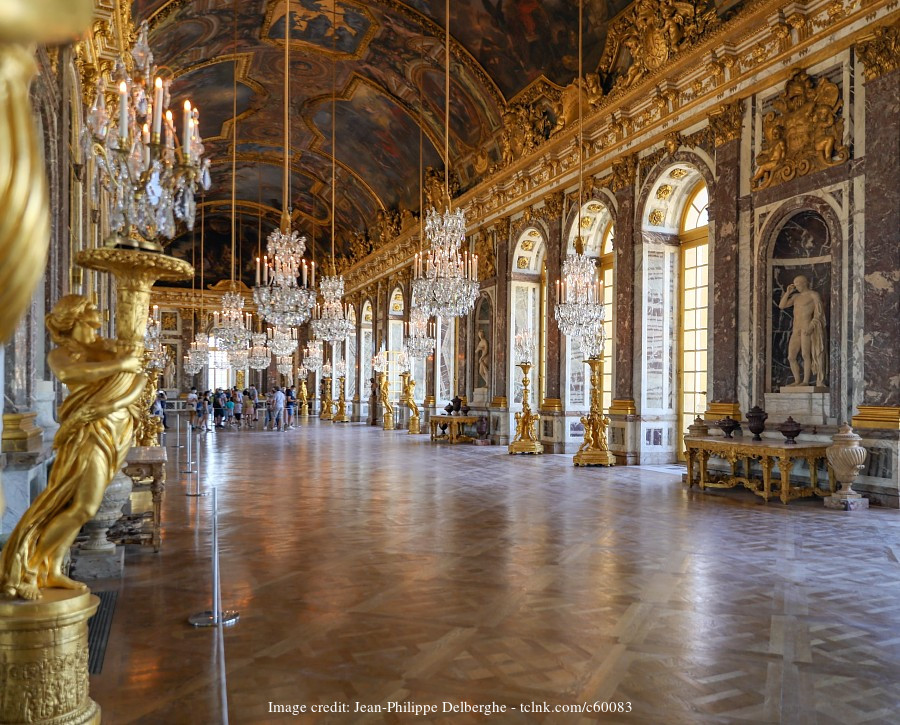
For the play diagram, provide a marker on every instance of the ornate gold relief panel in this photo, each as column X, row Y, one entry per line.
column 803, row 134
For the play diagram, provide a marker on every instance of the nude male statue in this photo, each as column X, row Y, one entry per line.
column 807, row 333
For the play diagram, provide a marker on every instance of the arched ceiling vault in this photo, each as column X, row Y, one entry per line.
column 387, row 57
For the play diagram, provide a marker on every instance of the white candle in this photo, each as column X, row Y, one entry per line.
column 170, row 131
column 186, row 136
column 312, row 279
column 123, row 110
column 304, row 273
column 257, row 271
column 145, row 137
column 157, row 108
column 265, row 270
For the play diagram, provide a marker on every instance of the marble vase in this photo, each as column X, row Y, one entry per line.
column 846, row 456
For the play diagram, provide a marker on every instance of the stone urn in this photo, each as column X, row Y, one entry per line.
column 790, row 429
column 847, row 457
column 728, row 425
column 698, row 428
column 481, row 427
column 457, row 404
column 756, row 421
column 114, row 499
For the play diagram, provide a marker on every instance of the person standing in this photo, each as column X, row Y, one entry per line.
column 254, row 398
column 247, row 409
column 192, row 400
column 238, row 402
column 203, row 412
column 218, row 406
column 290, row 404
column 229, row 411
column 278, row 410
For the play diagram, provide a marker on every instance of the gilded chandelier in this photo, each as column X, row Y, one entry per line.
column 282, row 340
column 420, row 337
column 331, row 322
column 580, row 307
column 239, row 359
column 285, row 364
column 446, row 280
column 151, row 178
column 313, row 355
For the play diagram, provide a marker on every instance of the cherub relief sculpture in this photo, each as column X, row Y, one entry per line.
column 803, row 134
column 97, row 417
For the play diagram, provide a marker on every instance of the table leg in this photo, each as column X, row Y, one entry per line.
column 766, row 464
column 704, row 457
column 813, row 462
column 689, row 455
column 784, row 464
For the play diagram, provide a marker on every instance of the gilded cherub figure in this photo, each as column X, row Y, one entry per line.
column 95, row 434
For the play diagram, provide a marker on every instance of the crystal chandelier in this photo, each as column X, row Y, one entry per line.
column 380, row 362
column 340, row 369
column 239, row 359
column 579, row 309
column 403, row 360
column 281, row 297
column 331, row 322
column 446, row 280
column 326, row 370
column 302, row 372
column 524, row 347
column 151, row 183
column 156, row 360
column 259, row 352
column 420, row 338
column 232, row 324
column 592, row 345
column 192, row 365
column 285, row 364
column 313, row 355
column 282, row 341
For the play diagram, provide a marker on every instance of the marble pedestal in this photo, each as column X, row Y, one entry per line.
column 44, row 406
column 846, row 503
column 804, row 405
column 24, row 477
column 89, row 565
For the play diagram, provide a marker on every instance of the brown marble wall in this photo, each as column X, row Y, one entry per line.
column 623, row 385
column 501, row 350
column 462, row 355
column 724, row 259
column 881, row 381
column 556, row 252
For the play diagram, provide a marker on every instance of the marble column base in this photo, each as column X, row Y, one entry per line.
column 89, row 565
column 499, row 431
column 846, row 503
column 807, row 408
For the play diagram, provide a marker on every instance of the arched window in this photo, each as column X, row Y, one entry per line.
column 367, row 347
column 694, row 237
column 395, row 340
column 526, row 298
column 608, row 277
column 352, row 367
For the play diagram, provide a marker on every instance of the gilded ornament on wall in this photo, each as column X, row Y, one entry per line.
column 623, row 171
column 657, row 217
column 522, row 262
column 566, row 109
column 880, row 53
column 726, row 122
column 487, row 259
column 803, row 134
column 527, row 244
column 651, row 33
column 524, row 128
column 664, row 192
column 678, row 173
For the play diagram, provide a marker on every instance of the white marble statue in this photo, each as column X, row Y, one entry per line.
column 482, row 356
column 807, row 333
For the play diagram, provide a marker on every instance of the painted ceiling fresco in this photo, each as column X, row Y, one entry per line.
column 385, row 61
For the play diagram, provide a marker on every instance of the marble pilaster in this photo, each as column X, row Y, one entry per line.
column 501, row 337
column 556, row 250
column 623, row 383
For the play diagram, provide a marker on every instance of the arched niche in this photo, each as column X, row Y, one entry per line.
column 800, row 254
column 526, row 308
column 350, row 355
column 367, row 343
column 530, row 250
column 595, row 227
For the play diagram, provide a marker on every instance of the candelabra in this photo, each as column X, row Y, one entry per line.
column 380, row 364
column 580, row 296
column 331, row 321
column 260, row 356
column 198, row 355
column 239, row 359
column 420, row 338
column 151, row 178
column 594, row 450
column 327, row 400
column 303, row 394
column 285, row 364
column 340, row 372
column 285, row 286
column 525, row 440
column 445, row 280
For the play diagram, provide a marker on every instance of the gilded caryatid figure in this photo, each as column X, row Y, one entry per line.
column 409, row 388
column 807, row 333
column 97, row 424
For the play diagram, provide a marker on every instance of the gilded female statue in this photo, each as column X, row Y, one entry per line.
column 98, row 418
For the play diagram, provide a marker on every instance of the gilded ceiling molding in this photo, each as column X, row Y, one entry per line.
column 623, row 173
column 726, row 122
column 554, row 202
column 487, row 255
column 803, row 134
column 880, row 52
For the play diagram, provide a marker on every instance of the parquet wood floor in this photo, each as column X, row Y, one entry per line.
column 374, row 566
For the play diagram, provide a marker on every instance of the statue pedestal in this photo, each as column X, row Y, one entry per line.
column 44, row 648
column 846, row 503
column 804, row 404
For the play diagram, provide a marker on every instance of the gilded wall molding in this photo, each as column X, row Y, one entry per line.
column 726, row 121
column 880, row 52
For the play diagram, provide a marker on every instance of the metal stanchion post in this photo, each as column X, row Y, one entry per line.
column 189, row 459
column 217, row 616
column 178, row 443
column 196, row 472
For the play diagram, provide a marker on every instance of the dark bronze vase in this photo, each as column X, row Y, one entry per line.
column 728, row 425
column 756, row 421
column 790, row 429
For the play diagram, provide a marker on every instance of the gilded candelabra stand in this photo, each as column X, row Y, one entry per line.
column 526, row 440
column 304, row 399
column 340, row 415
column 327, row 401
column 594, row 451
column 387, row 419
column 408, row 398
column 148, row 427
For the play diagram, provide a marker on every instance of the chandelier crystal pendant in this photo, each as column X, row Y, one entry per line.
column 282, row 294
column 151, row 178
column 340, row 368
column 420, row 338
column 239, row 359
column 302, row 372
column 260, row 355
column 580, row 295
column 331, row 322
column 313, row 355
column 156, row 361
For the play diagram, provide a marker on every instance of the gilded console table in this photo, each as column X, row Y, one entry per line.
column 455, row 424
column 739, row 453
column 146, row 467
